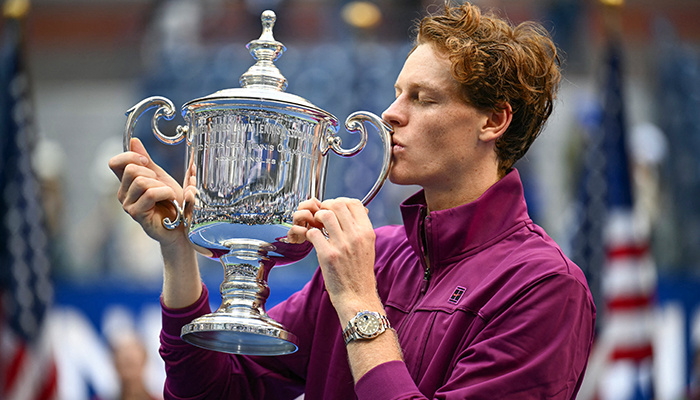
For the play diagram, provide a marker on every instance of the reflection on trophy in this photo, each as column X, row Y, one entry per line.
column 253, row 154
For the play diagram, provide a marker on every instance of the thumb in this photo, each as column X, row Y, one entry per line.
column 138, row 147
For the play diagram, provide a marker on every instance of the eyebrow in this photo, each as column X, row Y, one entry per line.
column 420, row 86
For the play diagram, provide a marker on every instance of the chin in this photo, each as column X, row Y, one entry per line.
column 398, row 179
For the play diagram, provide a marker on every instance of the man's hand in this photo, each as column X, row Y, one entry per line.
column 342, row 234
column 346, row 255
column 146, row 191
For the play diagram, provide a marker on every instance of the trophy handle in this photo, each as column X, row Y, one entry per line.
column 354, row 124
column 165, row 109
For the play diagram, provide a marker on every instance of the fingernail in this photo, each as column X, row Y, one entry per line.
column 144, row 160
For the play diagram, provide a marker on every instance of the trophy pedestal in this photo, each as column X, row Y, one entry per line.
column 241, row 325
column 245, row 334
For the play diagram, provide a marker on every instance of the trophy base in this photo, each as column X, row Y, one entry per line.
column 255, row 336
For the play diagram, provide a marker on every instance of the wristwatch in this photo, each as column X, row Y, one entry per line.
column 365, row 325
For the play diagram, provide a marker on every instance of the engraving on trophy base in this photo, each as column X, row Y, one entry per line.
column 252, row 335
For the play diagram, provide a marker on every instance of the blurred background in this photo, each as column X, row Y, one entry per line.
column 614, row 178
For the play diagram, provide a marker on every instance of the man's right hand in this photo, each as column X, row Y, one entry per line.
column 146, row 192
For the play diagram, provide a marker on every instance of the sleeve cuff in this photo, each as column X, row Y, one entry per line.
column 175, row 318
column 390, row 380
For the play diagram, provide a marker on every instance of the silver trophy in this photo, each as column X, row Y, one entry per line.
column 253, row 154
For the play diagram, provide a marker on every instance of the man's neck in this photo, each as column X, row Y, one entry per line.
column 465, row 191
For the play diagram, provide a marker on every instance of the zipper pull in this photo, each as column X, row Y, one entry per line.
column 426, row 273
column 425, row 282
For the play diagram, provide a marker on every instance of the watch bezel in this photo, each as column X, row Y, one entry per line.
column 376, row 323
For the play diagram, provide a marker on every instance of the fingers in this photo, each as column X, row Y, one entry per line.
column 334, row 216
column 146, row 191
column 304, row 216
column 346, row 255
column 138, row 148
column 343, row 213
column 190, row 194
column 132, row 173
column 138, row 155
column 139, row 206
column 140, row 185
column 141, row 189
column 297, row 234
column 119, row 162
column 342, row 219
column 312, row 205
column 302, row 219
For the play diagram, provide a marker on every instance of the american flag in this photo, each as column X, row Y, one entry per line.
column 27, row 367
column 621, row 364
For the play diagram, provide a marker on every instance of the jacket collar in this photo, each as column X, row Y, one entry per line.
column 455, row 232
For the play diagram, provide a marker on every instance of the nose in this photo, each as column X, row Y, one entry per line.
column 393, row 114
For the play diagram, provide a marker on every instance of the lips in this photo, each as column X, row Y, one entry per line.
column 395, row 142
column 396, row 146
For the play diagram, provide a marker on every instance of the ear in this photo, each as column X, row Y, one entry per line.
column 496, row 122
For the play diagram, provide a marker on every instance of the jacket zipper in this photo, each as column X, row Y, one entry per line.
column 424, row 283
column 426, row 256
column 426, row 276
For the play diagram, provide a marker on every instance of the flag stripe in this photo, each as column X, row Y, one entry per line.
column 636, row 251
column 17, row 362
column 632, row 353
column 627, row 303
column 50, row 385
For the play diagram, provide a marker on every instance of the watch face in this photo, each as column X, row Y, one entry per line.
column 367, row 324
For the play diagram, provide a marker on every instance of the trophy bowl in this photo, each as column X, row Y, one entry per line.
column 253, row 154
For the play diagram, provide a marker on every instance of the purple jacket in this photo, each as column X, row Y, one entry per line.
column 502, row 314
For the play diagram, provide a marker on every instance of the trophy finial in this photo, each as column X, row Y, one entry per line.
column 268, row 19
column 264, row 74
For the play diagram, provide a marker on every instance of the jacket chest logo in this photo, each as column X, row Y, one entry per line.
column 457, row 295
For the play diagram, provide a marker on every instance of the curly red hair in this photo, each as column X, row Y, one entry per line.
column 497, row 63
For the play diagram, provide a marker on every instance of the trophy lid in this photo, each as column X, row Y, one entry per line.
column 264, row 74
column 263, row 82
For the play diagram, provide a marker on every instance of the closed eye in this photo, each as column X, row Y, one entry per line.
column 423, row 99
column 419, row 95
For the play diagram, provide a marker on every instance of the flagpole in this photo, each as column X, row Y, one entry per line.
column 605, row 342
column 612, row 19
column 629, row 271
column 627, row 294
column 25, row 262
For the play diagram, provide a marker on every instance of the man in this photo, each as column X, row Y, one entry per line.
column 469, row 299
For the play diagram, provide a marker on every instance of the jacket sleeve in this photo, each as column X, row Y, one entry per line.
column 535, row 348
column 195, row 373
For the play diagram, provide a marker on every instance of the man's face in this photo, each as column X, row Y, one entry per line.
column 435, row 141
